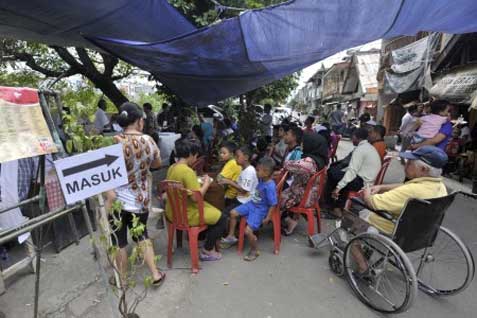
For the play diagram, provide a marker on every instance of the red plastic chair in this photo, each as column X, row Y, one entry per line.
column 382, row 172
column 277, row 237
column 177, row 196
column 278, row 175
column 308, row 211
column 379, row 180
column 334, row 147
column 199, row 165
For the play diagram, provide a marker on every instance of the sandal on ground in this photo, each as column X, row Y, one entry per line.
column 251, row 256
column 209, row 258
column 228, row 242
column 160, row 281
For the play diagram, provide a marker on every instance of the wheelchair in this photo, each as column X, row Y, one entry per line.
column 420, row 254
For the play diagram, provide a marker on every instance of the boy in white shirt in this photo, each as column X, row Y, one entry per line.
column 246, row 182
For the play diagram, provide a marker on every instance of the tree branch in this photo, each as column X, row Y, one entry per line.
column 86, row 60
column 110, row 63
column 68, row 58
column 31, row 63
column 121, row 76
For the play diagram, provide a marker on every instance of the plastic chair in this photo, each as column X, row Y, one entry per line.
column 382, row 172
column 199, row 165
column 279, row 176
column 379, row 180
column 276, row 221
column 308, row 211
column 334, row 147
column 177, row 196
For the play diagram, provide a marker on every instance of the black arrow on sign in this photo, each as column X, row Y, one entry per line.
column 107, row 160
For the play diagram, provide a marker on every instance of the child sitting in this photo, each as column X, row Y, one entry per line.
column 247, row 180
column 262, row 150
column 258, row 210
column 230, row 171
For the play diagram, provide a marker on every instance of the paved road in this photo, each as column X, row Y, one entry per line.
column 296, row 283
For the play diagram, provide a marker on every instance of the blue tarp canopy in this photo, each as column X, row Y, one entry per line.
column 63, row 22
column 239, row 54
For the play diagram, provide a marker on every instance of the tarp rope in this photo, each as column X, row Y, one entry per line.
column 220, row 7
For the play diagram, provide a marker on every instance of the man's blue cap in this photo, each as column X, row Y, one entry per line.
column 431, row 155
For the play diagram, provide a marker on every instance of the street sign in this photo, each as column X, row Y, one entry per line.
column 85, row 175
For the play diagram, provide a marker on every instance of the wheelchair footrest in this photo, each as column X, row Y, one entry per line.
column 318, row 240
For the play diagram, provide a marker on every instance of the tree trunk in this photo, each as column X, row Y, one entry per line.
column 250, row 98
column 107, row 86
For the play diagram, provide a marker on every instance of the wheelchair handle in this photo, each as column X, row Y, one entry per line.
column 466, row 194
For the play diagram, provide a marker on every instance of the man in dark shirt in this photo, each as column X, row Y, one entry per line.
column 165, row 118
column 150, row 126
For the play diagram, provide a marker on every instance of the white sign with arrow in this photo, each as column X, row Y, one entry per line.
column 87, row 174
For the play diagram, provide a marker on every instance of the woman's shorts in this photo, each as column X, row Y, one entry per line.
column 119, row 236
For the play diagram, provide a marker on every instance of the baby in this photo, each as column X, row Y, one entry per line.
column 428, row 127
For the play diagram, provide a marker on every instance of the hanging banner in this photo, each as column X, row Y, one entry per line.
column 23, row 132
column 409, row 70
column 458, row 86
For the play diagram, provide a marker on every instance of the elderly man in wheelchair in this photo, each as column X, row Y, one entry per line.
column 390, row 242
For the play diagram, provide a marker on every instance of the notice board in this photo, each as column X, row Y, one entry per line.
column 23, row 132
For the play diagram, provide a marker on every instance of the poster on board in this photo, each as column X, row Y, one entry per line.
column 23, row 132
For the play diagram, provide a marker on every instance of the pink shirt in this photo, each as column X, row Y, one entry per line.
column 430, row 125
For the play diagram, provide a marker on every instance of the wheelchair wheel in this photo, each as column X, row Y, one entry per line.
column 335, row 260
column 447, row 268
column 390, row 285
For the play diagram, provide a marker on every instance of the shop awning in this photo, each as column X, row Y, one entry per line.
column 458, row 86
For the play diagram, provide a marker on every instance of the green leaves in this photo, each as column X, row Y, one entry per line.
column 20, row 78
column 82, row 108
column 112, row 251
column 155, row 99
column 69, row 146
column 77, row 143
column 148, row 281
column 277, row 91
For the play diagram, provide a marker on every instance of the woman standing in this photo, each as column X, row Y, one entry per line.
column 140, row 154
column 314, row 158
column 187, row 152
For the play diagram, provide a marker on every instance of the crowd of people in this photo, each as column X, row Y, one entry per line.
column 244, row 183
column 249, row 171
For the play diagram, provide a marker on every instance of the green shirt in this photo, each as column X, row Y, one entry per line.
column 184, row 174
